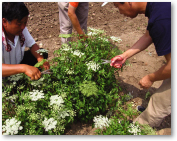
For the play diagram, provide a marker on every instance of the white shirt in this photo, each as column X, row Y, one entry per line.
column 15, row 56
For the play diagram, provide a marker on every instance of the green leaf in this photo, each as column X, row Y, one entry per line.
column 65, row 35
column 40, row 63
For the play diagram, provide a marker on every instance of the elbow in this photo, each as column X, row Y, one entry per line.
column 69, row 13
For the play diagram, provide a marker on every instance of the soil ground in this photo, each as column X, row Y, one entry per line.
column 44, row 26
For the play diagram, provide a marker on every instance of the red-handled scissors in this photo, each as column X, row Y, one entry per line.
column 110, row 61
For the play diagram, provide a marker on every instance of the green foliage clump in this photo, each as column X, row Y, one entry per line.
column 88, row 88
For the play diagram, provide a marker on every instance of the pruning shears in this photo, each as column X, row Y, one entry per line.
column 49, row 71
column 109, row 61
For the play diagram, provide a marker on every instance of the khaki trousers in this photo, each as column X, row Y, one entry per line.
column 65, row 23
column 159, row 106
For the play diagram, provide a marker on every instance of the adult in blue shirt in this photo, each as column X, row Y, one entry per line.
column 158, row 32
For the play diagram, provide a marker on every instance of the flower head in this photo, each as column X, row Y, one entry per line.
column 55, row 99
column 134, row 129
column 94, row 31
column 41, row 51
column 37, row 82
column 101, row 122
column 117, row 39
column 78, row 53
column 93, row 66
column 12, row 126
column 36, row 94
column 71, row 71
column 65, row 47
column 49, row 124
column 15, row 77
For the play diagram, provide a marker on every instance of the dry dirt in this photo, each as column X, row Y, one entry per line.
column 43, row 25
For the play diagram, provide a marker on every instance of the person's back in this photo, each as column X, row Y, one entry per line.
column 159, row 25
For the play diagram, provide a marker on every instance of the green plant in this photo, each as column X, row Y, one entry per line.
column 79, row 88
column 117, row 126
column 37, row 111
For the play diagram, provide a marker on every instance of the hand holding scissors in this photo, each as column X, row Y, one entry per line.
column 115, row 62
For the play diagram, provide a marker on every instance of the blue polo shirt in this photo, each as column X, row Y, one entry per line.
column 159, row 25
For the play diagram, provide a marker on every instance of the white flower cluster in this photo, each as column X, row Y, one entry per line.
column 78, row 53
column 36, row 94
column 12, row 126
column 12, row 98
column 134, row 129
column 41, row 51
column 69, row 71
column 92, row 65
column 65, row 47
column 49, row 124
column 128, row 96
column 37, row 82
column 63, row 114
column 103, row 39
column 56, row 99
column 15, row 77
column 94, row 31
column 101, row 121
column 117, row 39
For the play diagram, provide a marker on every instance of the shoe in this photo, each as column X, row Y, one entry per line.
column 140, row 108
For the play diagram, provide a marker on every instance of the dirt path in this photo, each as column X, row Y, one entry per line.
column 43, row 24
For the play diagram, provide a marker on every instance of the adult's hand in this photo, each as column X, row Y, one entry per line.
column 118, row 61
column 84, row 37
column 32, row 72
column 145, row 82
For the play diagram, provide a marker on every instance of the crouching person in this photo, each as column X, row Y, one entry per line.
column 15, row 37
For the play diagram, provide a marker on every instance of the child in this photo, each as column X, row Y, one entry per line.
column 15, row 37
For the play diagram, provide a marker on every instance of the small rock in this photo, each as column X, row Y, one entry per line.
column 165, row 131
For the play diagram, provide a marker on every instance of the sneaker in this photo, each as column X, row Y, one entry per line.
column 140, row 108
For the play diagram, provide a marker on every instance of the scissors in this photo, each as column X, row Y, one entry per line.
column 109, row 61
column 49, row 71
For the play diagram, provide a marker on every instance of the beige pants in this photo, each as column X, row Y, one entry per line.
column 65, row 23
column 159, row 106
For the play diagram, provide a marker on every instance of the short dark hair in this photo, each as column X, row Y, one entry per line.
column 14, row 10
column 122, row 2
